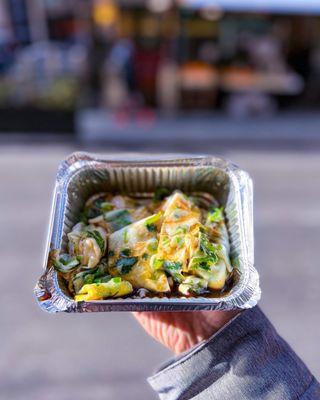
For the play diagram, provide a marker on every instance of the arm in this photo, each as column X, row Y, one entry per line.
column 246, row 359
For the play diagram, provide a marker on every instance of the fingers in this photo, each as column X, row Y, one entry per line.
column 146, row 319
column 180, row 331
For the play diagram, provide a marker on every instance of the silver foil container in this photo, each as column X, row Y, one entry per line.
column 82, row 175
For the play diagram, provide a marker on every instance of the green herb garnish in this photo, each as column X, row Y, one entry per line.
column 124, row 265
column 150, row 222
column 125, row 252
column 125, row 236
column 151, row 227
column 106, row 206
column 165, row 241
column 208, row 248
column 173, row 268
column 153, row 245
column 66, row 263
column 118, row 219
column 157, row 263
column 160, row 194
column 91, row 275
column 102, row 279
column 215, row 215
column 204, row 263
column 98, row 238
column 172, row 265
column 181, row 230
column 179, row 240
column 88, row 279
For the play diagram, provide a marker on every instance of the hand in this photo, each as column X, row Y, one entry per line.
column 180, row 331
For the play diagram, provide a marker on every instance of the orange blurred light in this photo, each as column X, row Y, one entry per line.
column 105, row 12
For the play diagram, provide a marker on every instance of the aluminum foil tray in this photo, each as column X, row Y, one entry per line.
column 82, row 175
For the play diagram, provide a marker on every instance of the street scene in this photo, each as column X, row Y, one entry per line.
column 107, row 355
column 235, row 79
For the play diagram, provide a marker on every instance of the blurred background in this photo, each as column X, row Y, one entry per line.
column 239, row 79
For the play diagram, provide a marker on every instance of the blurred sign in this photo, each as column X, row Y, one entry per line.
column 278, row 6
column 105, row 12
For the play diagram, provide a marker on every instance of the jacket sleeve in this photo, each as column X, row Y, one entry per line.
column 245, row 360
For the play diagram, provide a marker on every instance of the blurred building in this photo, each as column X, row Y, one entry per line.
column 59, row 58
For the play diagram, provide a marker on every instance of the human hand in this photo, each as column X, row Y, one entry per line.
column 180, row 331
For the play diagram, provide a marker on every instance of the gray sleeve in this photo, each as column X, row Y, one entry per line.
column 245, row 360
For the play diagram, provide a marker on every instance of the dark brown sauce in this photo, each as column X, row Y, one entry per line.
column 230, row 282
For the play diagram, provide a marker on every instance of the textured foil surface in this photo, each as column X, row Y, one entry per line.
column 82, row 175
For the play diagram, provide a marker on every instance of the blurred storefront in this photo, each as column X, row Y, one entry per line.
column 141, row 59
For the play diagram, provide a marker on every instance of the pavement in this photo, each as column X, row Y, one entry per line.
column 108, row 356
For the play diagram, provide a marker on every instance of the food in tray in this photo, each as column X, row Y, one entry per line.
column 168, row 245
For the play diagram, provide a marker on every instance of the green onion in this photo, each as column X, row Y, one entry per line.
column 66, row 263
column 194, row 285
column 206, row 247
column 153, row 245
column 102, row 279
column 88, row 279
column 165, row 241
column 179, row 241
column 106, row 206
column 204, row 263
column 125, row 252
column 117, row 279
column 91, row 276
column 160, row 194
column 151, row 227
column 124, row 265
column 154, row 218
column 173, row 268
column 118, row 219
column 150, row 222
column 125, row 236
column 98, row 238
column 157, row 263
column 215, row 215
column 181, row 230
column 172, row 265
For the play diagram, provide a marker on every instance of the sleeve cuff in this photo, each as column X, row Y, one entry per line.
column 246, row 359
column 172, row 374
